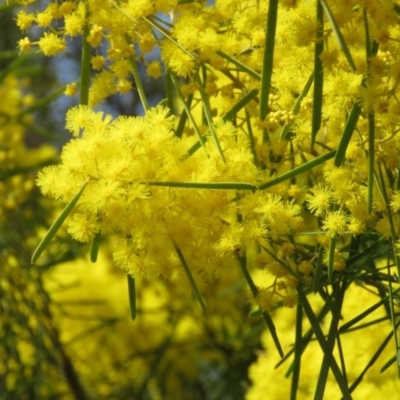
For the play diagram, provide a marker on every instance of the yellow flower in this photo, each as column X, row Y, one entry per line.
column 335, row 223
column 73, row 24
column 51, row 44
column 154, row 69
column 70, row 89
column 24, row 44
column 78, row 118
column 83, row 227
column 319, row 200
column 24, row 20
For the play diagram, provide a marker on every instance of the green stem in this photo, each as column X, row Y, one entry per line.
column 254, row 291
column 132, row 296
column 190, row 277
column 85, row 67
column 138, row 81
column 318, row 75
column 266, row 74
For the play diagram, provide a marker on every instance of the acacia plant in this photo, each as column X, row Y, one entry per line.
column 275, row 152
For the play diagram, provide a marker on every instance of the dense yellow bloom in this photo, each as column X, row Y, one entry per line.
column 335, row 223
column 24, row 20
column 320, row 199
column 51, row 44
column 73, row 24
column 154, row 69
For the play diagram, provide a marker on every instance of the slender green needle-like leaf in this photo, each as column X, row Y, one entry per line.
column 14, row 64
column 242, row 67
column 341, row 381
column 365, row 313
column 371, row 362
column 206, row 185
column 190, row 278
column 331, row 256
column 228, row 116
column 388, row 363
column 169, row 91
column 85, row 66
column 371, row 119
column 398, row 180
column 371, row 160
column 341, row 356
column 195, row 147
column 306, row 338
column 371, row 323
column 318, row 272
column 338, row 35
column 298, row 170
column 140, row 393
column 336, row 302
column 382, row 189
column 186, row 106
column 17, row 171
column 254, row 291
column 94, row 247
column 132, row 295
column 43, row 102
column 347, row 134
column 156, row 26
column 159, row 28
column 183, row 119
column 283, row 265
column 57, row 224
column 394, row 325
column 296, row 107
column 240, row 104
column 138, row 82
column 318, row 75
column 298, row 351
column 251, row 139
column 266, row 73
column 207, row 111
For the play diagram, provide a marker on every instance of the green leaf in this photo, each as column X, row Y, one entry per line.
column 318, row 75
column 186, row 106
column 298, row 170
column 191, row 279
column 85, row 66
column 57, row 224
column 94, row 247
column 242, row 67
column 296, row 107
column 347, row 134
column 207, row 111
column 340, row 39
column 240, row 104
column 298, row 351
column 253, row 288
column 206, row 185
column 341, row 381
column 388, row 363
column 132, row 296
column 266, row 74
column 331, row 257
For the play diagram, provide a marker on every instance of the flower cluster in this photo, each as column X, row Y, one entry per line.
column 125, row 159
